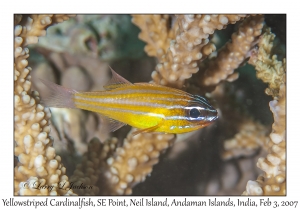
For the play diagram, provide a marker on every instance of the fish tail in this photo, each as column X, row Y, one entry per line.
column 60, row 96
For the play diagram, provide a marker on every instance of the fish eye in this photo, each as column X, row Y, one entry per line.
column 194, row 113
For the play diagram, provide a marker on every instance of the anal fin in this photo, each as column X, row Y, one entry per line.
column 115, row 125
column 112, row 124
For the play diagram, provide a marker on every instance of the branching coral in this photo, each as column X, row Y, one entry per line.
column 157, row 31
column 38, row 163
column 251, row 137
column 90, row 171
column 233, row 53
column 214, row 70
column 116, row 170
column 191, row 45
column 269, row 69
column 272, row 71
column 273, row 181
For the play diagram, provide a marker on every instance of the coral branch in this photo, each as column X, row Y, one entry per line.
column 115, row 171
column 272, row 71
column 234, row 52
column 155, row 32
column 38, row 164
column 90, row 171
column 252, row 136
column 273, row 181
column 269, row 69
column 190, row 46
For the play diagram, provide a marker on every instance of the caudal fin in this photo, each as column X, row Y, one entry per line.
column 60, row 96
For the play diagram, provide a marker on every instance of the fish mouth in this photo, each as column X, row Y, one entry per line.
column 215, row 118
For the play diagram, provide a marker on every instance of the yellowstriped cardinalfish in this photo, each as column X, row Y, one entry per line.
column 149, row 107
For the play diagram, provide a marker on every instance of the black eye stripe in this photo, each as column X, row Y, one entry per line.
column 194, row 113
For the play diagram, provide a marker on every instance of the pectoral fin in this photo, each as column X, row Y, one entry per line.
column 147, row 130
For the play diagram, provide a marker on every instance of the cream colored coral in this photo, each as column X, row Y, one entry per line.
column 272, row 71
column 113, row 170
column 269, row 69
column 134, row 161
column 252, row 136
column 190, row 46
column 234, row 52
column 38, row 163
column 155, row 32
column 273, row 181
column 90, row 172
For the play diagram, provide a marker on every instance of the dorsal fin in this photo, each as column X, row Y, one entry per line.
column 116, row 81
